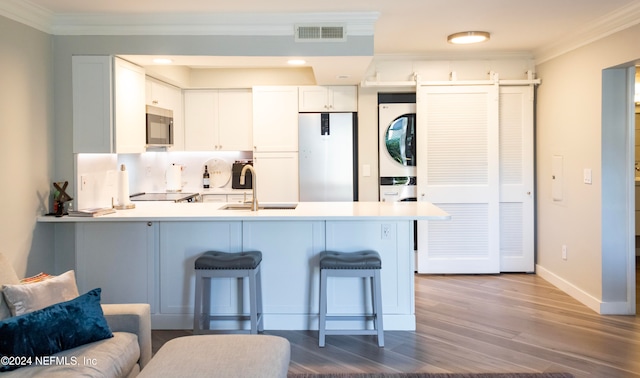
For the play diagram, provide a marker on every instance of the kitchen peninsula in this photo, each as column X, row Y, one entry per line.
column 146, row 255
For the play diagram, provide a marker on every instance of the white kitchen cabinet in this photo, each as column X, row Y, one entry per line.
column 161, row 94
column 222, row 198
column 289, row 268
column 218, row 120
column 240, row 198
column 118, row 257
column 167, row 96
column 275, row 119
column 276, row 176
column 108, row 105
column 392, row 240
column 340, row 98
column 181, row 243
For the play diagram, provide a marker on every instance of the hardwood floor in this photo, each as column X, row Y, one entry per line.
column 479, row 323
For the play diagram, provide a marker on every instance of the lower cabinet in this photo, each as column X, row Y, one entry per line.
column 153, row 262
column 181, row 243
column 289, row 267
column 392, row 240
column 120, row 258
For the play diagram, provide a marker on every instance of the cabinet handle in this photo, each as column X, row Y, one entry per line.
column 154, row 102
column 149, row 224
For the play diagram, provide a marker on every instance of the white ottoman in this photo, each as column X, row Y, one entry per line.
column 221, row 356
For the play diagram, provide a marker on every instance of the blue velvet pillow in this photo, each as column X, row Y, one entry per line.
column 51, row 330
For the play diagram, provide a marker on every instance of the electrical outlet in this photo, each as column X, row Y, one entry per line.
column 148, row 171
column 564, row 252
column 386, row 231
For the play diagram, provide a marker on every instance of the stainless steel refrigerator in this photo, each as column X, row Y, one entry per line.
column 327, row 157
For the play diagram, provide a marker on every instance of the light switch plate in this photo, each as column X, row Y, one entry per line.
column 587, row 176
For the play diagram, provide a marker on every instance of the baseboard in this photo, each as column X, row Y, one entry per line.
column 569, row 288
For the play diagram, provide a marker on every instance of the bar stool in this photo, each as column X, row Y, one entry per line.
column 366, row 264
column 214, row 264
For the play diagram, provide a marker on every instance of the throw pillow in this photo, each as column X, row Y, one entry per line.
column 51, row 330
column 37, row 278
column 24, row 298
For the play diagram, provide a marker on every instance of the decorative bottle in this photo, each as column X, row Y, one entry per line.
column 205, row 178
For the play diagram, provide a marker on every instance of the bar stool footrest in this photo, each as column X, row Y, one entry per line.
column 345, row 332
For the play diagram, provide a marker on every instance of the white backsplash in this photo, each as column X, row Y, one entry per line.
column 147, row 172
column 97, row 174
column 96, row 181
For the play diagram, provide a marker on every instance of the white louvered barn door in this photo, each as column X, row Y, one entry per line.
column 516, row 179
column 458, row 170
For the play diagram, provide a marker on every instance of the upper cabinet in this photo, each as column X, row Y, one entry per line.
column 108, row 105
column 218, row 120
column 162, row 95
column 275, row 119
column 167, row 96
column 328, row 99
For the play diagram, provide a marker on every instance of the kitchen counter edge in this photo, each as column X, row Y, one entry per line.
column 166, row 211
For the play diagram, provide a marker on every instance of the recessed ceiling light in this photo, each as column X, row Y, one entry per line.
column 296, row 62
column 468, row 37
column 162, row 61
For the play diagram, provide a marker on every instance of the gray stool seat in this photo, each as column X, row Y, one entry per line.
column 353, row 260
column 224, row 260
column 240, row 265
column 366, row 264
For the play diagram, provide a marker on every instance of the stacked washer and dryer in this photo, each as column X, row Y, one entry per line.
column 397, row 147
column 397, row 150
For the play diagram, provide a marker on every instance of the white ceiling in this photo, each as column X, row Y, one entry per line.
column 414, row 28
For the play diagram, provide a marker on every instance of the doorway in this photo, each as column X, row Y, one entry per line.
column 618, row 191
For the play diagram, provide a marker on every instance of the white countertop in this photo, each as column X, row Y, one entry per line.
column 198, row 211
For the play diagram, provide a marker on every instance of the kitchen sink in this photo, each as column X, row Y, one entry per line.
column 266, row 206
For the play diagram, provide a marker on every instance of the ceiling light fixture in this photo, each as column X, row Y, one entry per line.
column 468, row 37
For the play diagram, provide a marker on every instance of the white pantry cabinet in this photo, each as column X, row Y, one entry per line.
column 218, row 120
column 167, row 96
column 108, row 105
column 119, row 258
column 275, row 119
column 339, row 98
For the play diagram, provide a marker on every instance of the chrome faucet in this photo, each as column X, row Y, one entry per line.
column 254, row 200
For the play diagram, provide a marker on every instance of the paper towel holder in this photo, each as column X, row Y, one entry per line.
column 124, row 204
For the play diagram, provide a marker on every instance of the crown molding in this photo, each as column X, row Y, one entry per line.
column 270, row 24
column 243, row 24
column 622, row 18
column 27, row 13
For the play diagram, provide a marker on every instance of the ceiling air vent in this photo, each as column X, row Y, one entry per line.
column 320, row 33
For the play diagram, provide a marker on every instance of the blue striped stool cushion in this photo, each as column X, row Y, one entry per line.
column 226, row 260
column 350, row 260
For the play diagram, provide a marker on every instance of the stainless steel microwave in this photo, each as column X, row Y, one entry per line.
column 159, row 126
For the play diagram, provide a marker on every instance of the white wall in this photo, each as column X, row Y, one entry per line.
column 569, row 124
column 26, row 146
